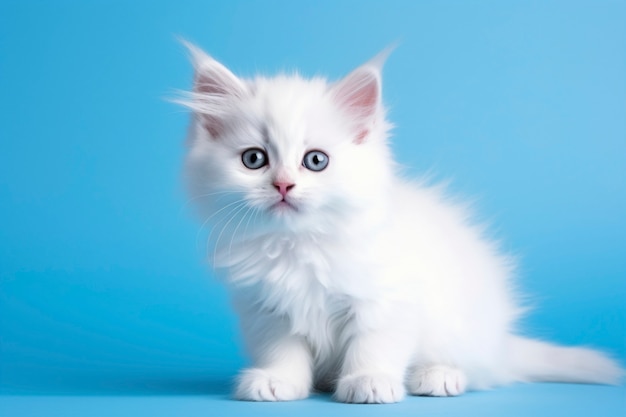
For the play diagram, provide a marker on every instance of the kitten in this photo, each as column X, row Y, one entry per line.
column 346, row 276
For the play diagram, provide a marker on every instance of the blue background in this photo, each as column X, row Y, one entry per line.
column 103, row 287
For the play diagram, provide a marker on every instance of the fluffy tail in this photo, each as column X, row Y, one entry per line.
column 533, row 360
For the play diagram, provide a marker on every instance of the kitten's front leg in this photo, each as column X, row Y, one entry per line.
column 374, row 366
column 282, row 363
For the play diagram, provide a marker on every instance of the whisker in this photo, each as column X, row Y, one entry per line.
column 191, row 199
column 213, row 215
column 232, row 217
column 254, row 214
column 224, row 218
column 234, row 234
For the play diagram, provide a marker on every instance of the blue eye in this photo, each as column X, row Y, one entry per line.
column 315, row 161
column 254, row 158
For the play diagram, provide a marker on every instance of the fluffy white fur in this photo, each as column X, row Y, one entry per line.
column 361, row 282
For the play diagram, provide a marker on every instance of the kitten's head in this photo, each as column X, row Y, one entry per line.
column 286, row 152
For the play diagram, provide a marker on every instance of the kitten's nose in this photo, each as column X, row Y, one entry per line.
column 283, row 187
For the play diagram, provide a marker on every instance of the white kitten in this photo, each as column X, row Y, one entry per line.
column 346, row 276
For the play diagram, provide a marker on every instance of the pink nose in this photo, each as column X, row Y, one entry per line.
column 283, row 187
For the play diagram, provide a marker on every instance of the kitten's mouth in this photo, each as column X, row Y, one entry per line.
column 283, row 206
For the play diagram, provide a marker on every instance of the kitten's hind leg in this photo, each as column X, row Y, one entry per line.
column 437, row 381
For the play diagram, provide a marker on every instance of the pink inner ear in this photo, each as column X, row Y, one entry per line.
column 213, row 125
column 204, row 84
column 365, row 93
column 209, row 85
column 215, row 82
column 359, row 93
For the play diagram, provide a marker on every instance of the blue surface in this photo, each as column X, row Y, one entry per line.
column 522, row 401
column 103, row 289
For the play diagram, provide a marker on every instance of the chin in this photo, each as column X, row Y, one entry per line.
column 286, row 215
column 289, row 217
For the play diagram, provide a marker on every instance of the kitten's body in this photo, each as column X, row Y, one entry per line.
column 351, row 278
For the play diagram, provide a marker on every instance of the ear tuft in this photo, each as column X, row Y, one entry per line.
column 214, row 89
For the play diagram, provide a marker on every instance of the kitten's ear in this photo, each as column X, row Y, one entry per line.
column 214, row 89
column 359, row 94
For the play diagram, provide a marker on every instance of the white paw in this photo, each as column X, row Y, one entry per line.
column 261, row 385
column 437, row 381
column 369, row 388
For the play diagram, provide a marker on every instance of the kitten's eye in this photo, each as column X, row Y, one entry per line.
column 315, row 160
column 254, row 158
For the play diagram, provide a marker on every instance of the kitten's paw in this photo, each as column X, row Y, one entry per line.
column 370, row 389
column 437, row 381
column 261, row 385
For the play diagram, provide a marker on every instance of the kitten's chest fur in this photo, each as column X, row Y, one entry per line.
column 307, row 280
